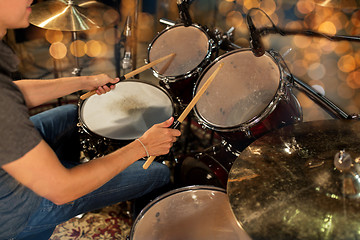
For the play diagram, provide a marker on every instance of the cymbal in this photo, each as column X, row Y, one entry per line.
column 72, row 15
column 299, row 182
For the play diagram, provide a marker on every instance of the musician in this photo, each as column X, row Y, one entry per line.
column 39, row 187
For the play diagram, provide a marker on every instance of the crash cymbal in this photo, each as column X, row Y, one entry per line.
column 299, row 182
column 67, row 15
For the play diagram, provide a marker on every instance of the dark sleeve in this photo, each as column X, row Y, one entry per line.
column 18, row 135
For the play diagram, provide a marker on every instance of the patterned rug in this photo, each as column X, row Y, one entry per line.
column 110, row 223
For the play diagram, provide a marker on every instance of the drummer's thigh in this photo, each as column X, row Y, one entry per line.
column 131, row 183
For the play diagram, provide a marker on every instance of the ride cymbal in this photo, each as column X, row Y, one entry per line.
column 76, row 15
column 299, row 182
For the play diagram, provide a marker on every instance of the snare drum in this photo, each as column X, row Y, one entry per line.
column 191, row 213
column 248, row 98
column 112, row 120
column 194, row 50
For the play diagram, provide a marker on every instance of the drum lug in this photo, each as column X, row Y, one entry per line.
column 248, row 133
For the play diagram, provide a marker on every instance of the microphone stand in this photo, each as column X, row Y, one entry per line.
column 183, row 7
column 318, row 98
column 283, row 32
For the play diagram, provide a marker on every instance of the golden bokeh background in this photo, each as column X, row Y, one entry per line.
column 330, row 67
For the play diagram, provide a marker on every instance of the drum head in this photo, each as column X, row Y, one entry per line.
column 241, row 90
column 126, row 112
column 191, row 213
column 190, row 44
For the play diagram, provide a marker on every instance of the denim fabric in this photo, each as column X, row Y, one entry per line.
column 56, row 126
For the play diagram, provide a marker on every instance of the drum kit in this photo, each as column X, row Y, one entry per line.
column 284, row 178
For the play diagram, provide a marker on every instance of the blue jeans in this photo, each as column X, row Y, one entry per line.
column 56, row 126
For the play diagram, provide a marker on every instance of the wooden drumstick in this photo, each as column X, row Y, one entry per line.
column 189, row 107
column 131, row 74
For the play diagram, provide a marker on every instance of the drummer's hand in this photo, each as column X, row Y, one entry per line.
column 98, row 83
column 160, row 138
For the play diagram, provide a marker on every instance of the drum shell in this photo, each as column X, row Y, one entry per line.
column 282, row 109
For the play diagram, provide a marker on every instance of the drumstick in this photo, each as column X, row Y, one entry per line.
column 189, row 107
column 166, row 66
column 131, row 74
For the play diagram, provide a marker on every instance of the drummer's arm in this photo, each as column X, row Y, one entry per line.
column 41, row 171
column 39, row 91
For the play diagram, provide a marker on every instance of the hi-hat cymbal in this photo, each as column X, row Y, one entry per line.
column 72, row 15
column 298, row 182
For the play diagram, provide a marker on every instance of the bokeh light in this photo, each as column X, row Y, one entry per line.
column 78, row 48
column 53, row 36
column 347, row 63
column 94, row 48
column 58, row 50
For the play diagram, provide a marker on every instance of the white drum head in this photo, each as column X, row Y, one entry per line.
column 126, row 112
column 191, row 214
column 190, row 44
column 242, row 89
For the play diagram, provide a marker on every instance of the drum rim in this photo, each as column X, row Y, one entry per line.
column 84, row 126
column 278, row 95
column 167, row 194
column 195, row 70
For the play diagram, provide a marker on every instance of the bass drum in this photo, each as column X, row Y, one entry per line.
column 248, row 98
column 114, row 119
column 191, row 213
column 194, row 50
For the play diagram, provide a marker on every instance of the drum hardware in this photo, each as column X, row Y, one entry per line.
column 304, row 185
column 225, row 41
column 167, row 22
column 183, row 7
column 126, row 42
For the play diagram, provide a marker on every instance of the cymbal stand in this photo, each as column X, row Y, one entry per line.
column 77, row 70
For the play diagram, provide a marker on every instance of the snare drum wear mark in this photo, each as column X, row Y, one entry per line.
column 157, row 215
column 234, row 65
column 271, row 66
column 129, row 105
